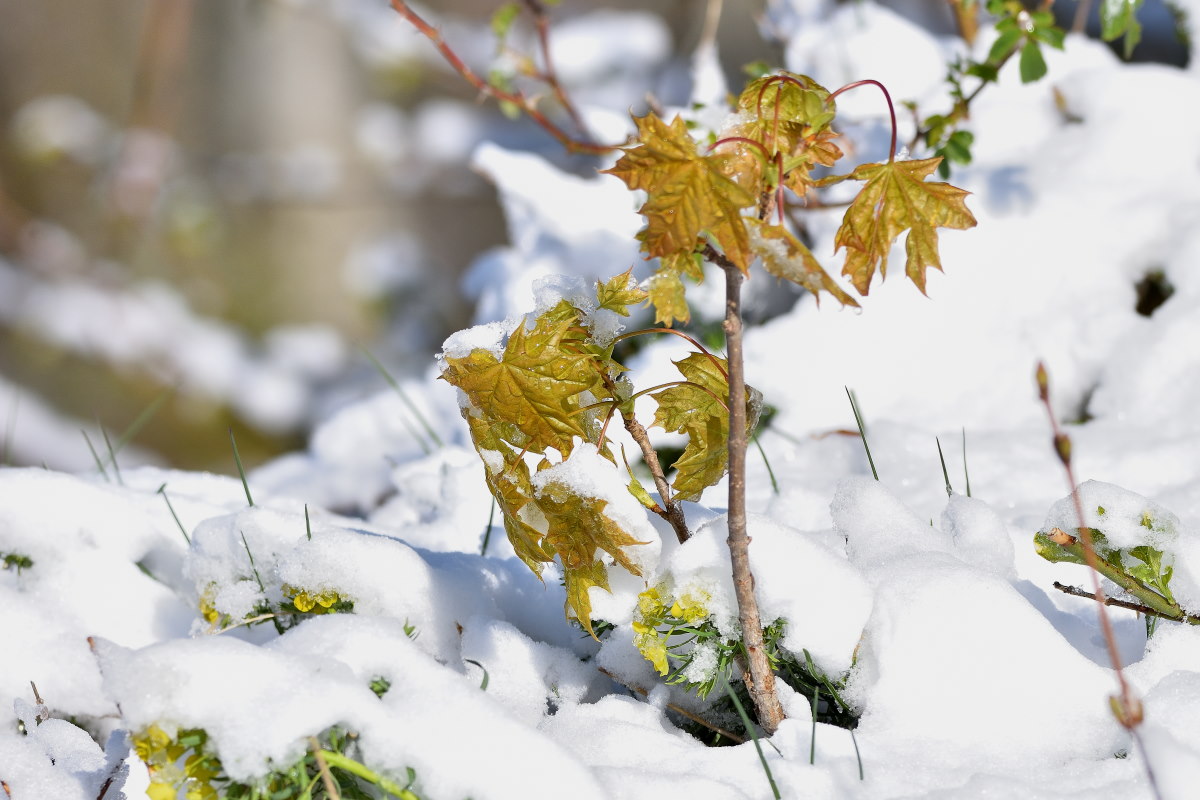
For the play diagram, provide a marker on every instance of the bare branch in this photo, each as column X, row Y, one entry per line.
column 517, row 98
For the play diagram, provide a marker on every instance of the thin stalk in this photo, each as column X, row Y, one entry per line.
column 323, row 768
column 862, row 430
column 737, row 704
column 487, row 532
column 891, row 108
column 237, row 459
column 1138, row 607
column 541, row 21
column 812, row 740
column 95, row 455
column 1126, row 706
column 429, row 431
column 762, row 679
column 163, row 491
column 767, row 463
column 945, row 474
column 518, row 98
column 139, row 422
column 307, row 524
column 361, row 771
column 112, row 456
column 704, row 351
column 966, row 473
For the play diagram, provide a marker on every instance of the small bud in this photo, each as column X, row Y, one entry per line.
column 1061, row 537
column 1062, row 444
column 1043, row 383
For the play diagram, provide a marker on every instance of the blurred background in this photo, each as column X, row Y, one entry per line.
column 215, row 214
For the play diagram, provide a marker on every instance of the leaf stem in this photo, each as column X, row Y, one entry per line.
column 891, row 108
column 704, row 351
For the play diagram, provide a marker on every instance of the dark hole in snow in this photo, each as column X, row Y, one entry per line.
column 1152, row 291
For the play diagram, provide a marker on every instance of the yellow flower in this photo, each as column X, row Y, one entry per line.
column 690, row 607
column 653, row 647
column 306, row 601
column 650, row 603
column 160, row 791
column 207, row 609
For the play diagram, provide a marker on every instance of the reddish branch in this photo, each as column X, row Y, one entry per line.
column 541, row 22
column 891, row 108
column 1127, row 708
column 517, row 97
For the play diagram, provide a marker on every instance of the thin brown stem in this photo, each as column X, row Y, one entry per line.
column 762, row 679
column 670, row 510
column 683, row 712
column 541, row 21
column 1126, row 706
column 323, row 768
column 517, row 98
column 1112, row 601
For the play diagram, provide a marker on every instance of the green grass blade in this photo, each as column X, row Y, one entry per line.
column 95, row 456
column 237, row 459
column 767, row 462
column 307, row 523
column 737, row 704
column 487, row 532
column 139, row 422
column 253, row 568
column 483, row 685
column 112, row 456
column 966, row 474
column 163, row 491
column 429, row 431
column 862, row 430
column 362, row 771
column 945, row 474
column 857, row 755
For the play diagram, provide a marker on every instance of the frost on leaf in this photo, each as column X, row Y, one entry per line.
column 688, row 194
column 786, row 257
column 577, row 529
column 533, row 391
column 895, row 199
column 697, row 408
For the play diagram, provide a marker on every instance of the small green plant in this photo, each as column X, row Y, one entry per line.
column 15, row 561
column 546, row 394
column 185, row 762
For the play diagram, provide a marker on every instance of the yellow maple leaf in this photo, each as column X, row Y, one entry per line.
column 688, row 194
column 697, row 408
column 534, row 388
column 577, row 529
column 786, row 257
column 895, row 199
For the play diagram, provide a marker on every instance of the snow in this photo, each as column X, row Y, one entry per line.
column 974, row 678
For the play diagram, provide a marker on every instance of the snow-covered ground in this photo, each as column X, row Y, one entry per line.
column 973, row 677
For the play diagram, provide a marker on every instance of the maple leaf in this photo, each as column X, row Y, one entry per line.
column 786, row 257
column 688, row 194
column 533, row 390
column 577, row 528
column 667, row 293
column 896, row 198
column 510, row 485
column 694, row 408
column 619, row 293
